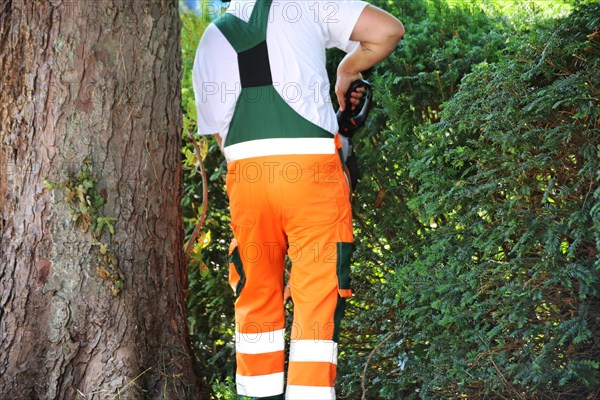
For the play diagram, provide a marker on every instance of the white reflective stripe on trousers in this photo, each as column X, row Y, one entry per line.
column 278, row 146
column 259, row 386
column 257, row 342
column 314, row 351
column 294, row 392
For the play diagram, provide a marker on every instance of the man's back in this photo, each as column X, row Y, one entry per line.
column 297, row 36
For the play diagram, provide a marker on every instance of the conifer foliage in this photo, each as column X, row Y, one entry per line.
column 482, row 267
column 477, row 218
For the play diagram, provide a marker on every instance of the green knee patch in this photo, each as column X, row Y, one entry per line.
column 236, row 261
column 344, row 254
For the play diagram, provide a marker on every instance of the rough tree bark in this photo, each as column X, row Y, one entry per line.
column 93, row 83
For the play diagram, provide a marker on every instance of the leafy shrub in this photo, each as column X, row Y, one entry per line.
column 210, row 299
column 482, row 228
column 478, row 226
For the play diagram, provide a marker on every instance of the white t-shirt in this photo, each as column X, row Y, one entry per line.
column 298, row 34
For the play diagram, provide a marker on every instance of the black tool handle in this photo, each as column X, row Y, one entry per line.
column 350, row 121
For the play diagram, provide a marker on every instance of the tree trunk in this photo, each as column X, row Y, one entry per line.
column 90, row 95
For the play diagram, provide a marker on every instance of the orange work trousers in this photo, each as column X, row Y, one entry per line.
column 297, row 205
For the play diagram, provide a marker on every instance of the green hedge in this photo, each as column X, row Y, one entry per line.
column 477, row 219
column 480, row 264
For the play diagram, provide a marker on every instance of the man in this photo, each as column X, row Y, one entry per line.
column 262, row 89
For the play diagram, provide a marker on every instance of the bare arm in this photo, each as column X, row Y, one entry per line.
column 378, row 33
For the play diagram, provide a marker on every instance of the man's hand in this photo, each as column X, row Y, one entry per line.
column 342, row 85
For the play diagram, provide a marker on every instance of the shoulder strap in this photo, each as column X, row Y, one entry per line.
column 260, row 16
column 246, row 35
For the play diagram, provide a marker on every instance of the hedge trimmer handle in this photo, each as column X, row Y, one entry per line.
column 350, row 121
